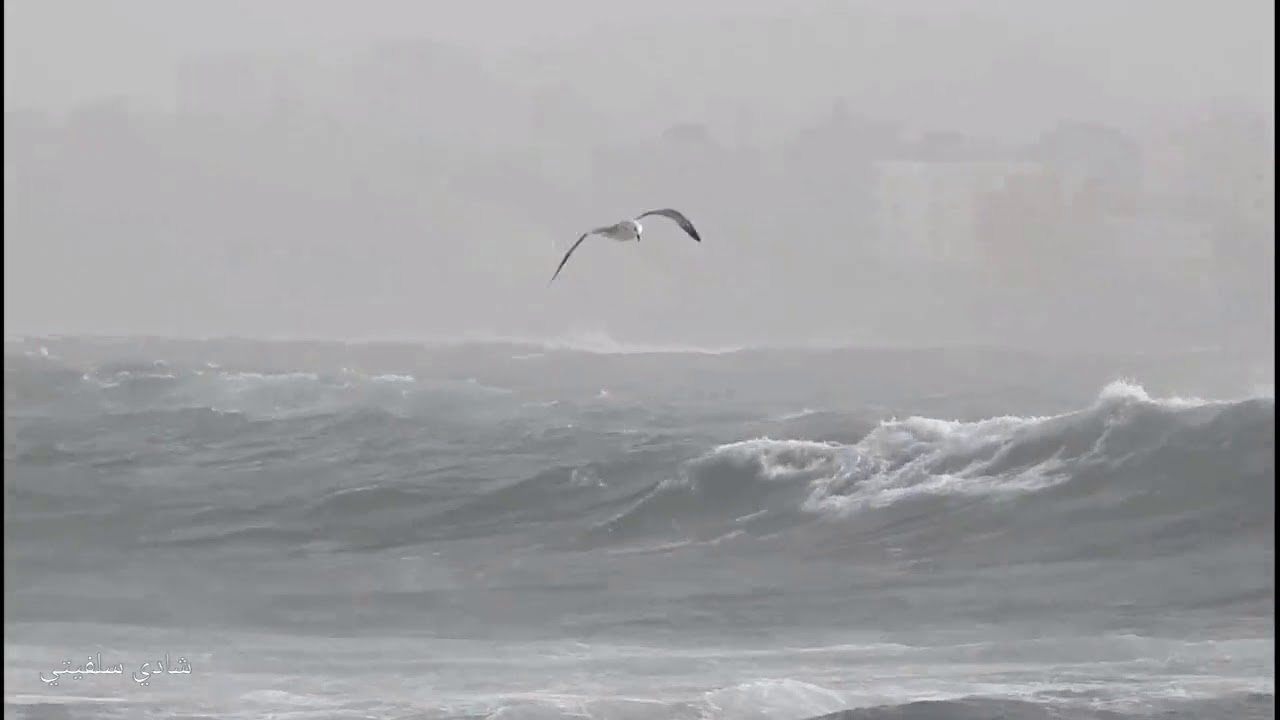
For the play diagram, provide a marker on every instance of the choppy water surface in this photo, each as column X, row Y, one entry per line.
column 503, row 531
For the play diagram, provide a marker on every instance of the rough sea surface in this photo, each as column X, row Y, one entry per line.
column 496, row 530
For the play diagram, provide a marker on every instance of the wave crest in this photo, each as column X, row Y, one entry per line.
column 1123, row 444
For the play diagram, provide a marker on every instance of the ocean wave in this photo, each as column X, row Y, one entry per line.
column 766, row 700
column 408, row 457
column 1127, row 446
column 50, row 387
column 951, row 549
column 795, row 700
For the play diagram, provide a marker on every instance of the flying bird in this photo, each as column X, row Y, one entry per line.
column 629, row 230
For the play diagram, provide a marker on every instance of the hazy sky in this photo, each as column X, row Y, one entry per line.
column 60, row 51
column 281, row 248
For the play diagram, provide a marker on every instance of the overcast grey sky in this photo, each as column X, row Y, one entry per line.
column 345, row 223
column 1161, row 51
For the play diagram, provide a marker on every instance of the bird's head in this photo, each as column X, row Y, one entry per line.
column 639, row 229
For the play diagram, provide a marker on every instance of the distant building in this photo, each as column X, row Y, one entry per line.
column 27, row 135
column 932, row 211
column 1101, row 167
column 234, row 85
column 1019, row 226
column 1149, row 238
column 1220, row 169
column 688, row 136
column 1233, row 169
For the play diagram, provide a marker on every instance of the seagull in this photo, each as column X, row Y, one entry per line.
column 629, row 230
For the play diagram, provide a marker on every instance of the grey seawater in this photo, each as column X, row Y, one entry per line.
column 235, row 529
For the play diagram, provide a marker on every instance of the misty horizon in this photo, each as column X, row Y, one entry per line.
column 417, row 172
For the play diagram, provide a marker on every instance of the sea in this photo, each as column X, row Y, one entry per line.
column 519, row 530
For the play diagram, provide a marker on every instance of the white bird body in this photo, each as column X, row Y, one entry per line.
column 630, row 230
column 625, row 231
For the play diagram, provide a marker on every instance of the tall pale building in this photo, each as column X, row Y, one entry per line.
column 930, row 211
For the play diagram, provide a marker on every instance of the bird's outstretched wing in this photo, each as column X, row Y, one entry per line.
column 680, row 219
column 566, row 256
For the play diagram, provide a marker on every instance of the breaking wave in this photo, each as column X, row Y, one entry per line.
column 1148, row 464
